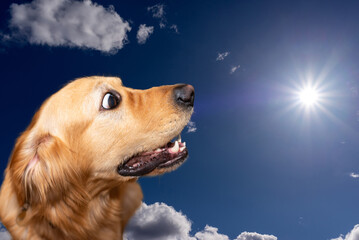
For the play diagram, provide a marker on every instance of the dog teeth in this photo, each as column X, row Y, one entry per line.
column 179, row 138
column 158, row 150
column 184, row 144
column 136, row 165
column 175, row 148
column 182, row 148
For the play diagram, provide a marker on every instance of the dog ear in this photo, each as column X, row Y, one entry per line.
column 43, row 170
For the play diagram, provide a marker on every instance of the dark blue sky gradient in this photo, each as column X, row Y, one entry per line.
column 254, row 164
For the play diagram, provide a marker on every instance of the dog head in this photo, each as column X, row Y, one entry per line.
column 97, row 128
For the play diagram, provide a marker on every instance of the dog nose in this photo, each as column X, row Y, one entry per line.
column 184, row 95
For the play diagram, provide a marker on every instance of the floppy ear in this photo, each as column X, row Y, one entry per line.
column 43, row 170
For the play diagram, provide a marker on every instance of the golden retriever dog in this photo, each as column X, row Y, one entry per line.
column 72, row 173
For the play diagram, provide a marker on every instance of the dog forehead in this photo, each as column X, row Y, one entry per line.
column 81, row 97
column 86, row 89
column 94, row 82
column 116, row 81
column 107, row 84
column 86, row 94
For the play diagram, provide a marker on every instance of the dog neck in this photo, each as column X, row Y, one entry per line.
column 102, row 215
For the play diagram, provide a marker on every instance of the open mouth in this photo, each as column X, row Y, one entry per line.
column 173, row 153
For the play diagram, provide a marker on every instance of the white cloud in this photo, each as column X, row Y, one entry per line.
column 4, row 37
column 221, row 56
column 162, row 222
column 191, row 127
column 354, row 175
column 175, row 28
column 235, row 68
column 338, row 238
column 144, row 33
column 210, row 233
column 255, row 236
column 158, row 11
column 352, row 235
column 69, row 23
column 158, row 222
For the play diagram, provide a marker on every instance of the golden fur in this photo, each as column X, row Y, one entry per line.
column 61, row 180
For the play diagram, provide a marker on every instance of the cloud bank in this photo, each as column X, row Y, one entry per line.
column 162, row 222
column 69, row 23
column 255, row 236
column 354, row 175
column 158, row 222
column 352, row 235
column 144, row 33
column 210, row 233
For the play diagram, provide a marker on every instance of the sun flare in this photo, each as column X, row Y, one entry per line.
column 308, row 96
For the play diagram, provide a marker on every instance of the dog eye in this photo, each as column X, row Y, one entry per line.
column 110, row 101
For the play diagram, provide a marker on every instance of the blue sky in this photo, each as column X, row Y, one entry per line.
column 259, row 161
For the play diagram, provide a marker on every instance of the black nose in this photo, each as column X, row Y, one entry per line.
column 184, row 95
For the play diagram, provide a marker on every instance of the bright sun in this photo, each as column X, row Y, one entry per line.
column 308, row 96
column 311, row 95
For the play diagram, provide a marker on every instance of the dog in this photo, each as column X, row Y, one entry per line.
column 72, row 173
